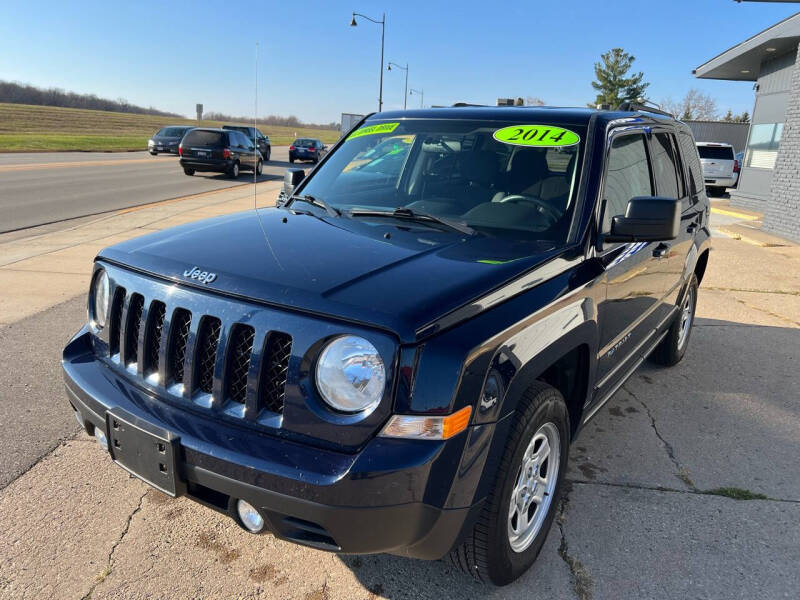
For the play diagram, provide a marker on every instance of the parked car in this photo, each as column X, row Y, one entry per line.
column 218, row 151
column 255, row 135
column 307, row 149
column 399, row 355
column 720, row 169
column 167, row 139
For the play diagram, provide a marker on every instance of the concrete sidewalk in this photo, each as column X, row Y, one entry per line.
column 42, row 267
column 745, row 225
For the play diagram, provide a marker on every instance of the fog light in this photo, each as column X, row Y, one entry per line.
column 100, row 436
column 249, row 516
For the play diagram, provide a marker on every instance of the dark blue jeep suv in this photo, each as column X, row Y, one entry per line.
column 398, row 356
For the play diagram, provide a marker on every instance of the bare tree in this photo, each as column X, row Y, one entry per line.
column 534, row 101
column 695, row 106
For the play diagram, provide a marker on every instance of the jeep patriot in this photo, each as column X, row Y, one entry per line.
column 397, row 357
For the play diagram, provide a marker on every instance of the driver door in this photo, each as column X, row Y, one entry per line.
column 629, row 313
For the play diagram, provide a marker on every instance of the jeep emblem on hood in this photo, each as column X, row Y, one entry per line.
column 201, row 276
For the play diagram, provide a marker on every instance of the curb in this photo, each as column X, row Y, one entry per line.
column 754, row 240
column 733, row 213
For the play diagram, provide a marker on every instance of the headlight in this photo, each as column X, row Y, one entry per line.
column 150, row 143
column 100, row 298
column 350, row 374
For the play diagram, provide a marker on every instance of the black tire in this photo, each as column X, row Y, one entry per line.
column 153, row 153
column 486, row 554
column 189, row 172
column 671, row 349
column 259, row 167
column 269, row 153
column 233, row 172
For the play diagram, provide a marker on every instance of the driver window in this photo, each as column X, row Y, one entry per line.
column 627, row 176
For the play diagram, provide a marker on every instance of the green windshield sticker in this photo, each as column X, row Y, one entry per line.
column 536, row 135
column 373, row 129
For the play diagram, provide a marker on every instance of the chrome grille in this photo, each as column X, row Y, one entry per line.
column 275, row 369
column 208, row 336
column 241, row 349
column 115, row 321
column 135, row 310
column 188, row 348
column 181, row 323
column 155, row 328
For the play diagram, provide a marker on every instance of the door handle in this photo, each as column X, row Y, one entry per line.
column 661, row 251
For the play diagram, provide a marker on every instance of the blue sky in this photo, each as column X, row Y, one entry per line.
column 172, row 54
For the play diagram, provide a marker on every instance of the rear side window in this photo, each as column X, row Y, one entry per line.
column 691, row 162
column 627, row 176
column 200, row 137
column 665, row 168
column 716, row 152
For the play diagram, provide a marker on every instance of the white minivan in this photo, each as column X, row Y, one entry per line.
column 720, row 167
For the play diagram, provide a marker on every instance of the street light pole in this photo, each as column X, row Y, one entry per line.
column 382, row 23
column 405, row 91
column 421, row 93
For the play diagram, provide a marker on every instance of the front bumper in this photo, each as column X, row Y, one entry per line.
column 376, row 500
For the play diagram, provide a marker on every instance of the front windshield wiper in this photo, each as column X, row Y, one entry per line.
column 333, row 212
column 407, row 213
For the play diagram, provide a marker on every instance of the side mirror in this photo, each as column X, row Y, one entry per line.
column 647, row 219
column 291, row 179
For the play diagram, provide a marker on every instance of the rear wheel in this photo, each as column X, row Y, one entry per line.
column 233, row 172
column 517, row 514
column 189, row 171
column 291, row 159
column 672, row 348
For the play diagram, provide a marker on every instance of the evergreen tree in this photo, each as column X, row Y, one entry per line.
column 612, row 83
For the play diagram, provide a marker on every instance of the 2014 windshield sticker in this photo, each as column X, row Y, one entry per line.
column 373, row 129
column 537, row 135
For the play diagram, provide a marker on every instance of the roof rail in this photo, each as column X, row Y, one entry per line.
column 639, row 105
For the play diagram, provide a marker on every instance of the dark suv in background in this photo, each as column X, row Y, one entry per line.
column 307, row 149
column 254, row 135
column 166, row 140
column 218, row 151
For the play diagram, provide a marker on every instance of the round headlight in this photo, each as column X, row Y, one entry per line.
column 100, row 298
column 350, row 374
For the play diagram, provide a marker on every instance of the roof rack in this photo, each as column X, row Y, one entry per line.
column 640, row 104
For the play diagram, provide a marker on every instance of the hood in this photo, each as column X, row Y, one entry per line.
column 394, row 275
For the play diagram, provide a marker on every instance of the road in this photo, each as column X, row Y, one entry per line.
column 41, row 188
column 641, row 518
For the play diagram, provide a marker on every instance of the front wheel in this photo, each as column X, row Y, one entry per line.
column 189, row 172
column 259, row 168
column 516, row 517
column 153, row 153
column 269, row 153
column 671, row 349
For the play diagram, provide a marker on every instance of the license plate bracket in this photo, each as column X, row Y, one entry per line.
column 145, row 450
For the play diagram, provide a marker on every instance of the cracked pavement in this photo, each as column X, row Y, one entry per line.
column 636, row 520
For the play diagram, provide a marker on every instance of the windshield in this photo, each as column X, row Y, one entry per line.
column 204, row 137
column 459, row 171
column 717, row 152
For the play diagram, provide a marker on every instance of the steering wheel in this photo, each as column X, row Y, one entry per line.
column 543, row 206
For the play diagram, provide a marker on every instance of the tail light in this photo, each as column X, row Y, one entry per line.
column 180, row 150
column 291, row 147
column 735, row 166
column 226, row 153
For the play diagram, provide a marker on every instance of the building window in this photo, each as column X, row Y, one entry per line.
column 762, row 150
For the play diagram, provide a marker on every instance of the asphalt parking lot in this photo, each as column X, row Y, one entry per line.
column 649, row 511
column 47, row 187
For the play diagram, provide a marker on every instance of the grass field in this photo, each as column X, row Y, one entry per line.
column 26, row 128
